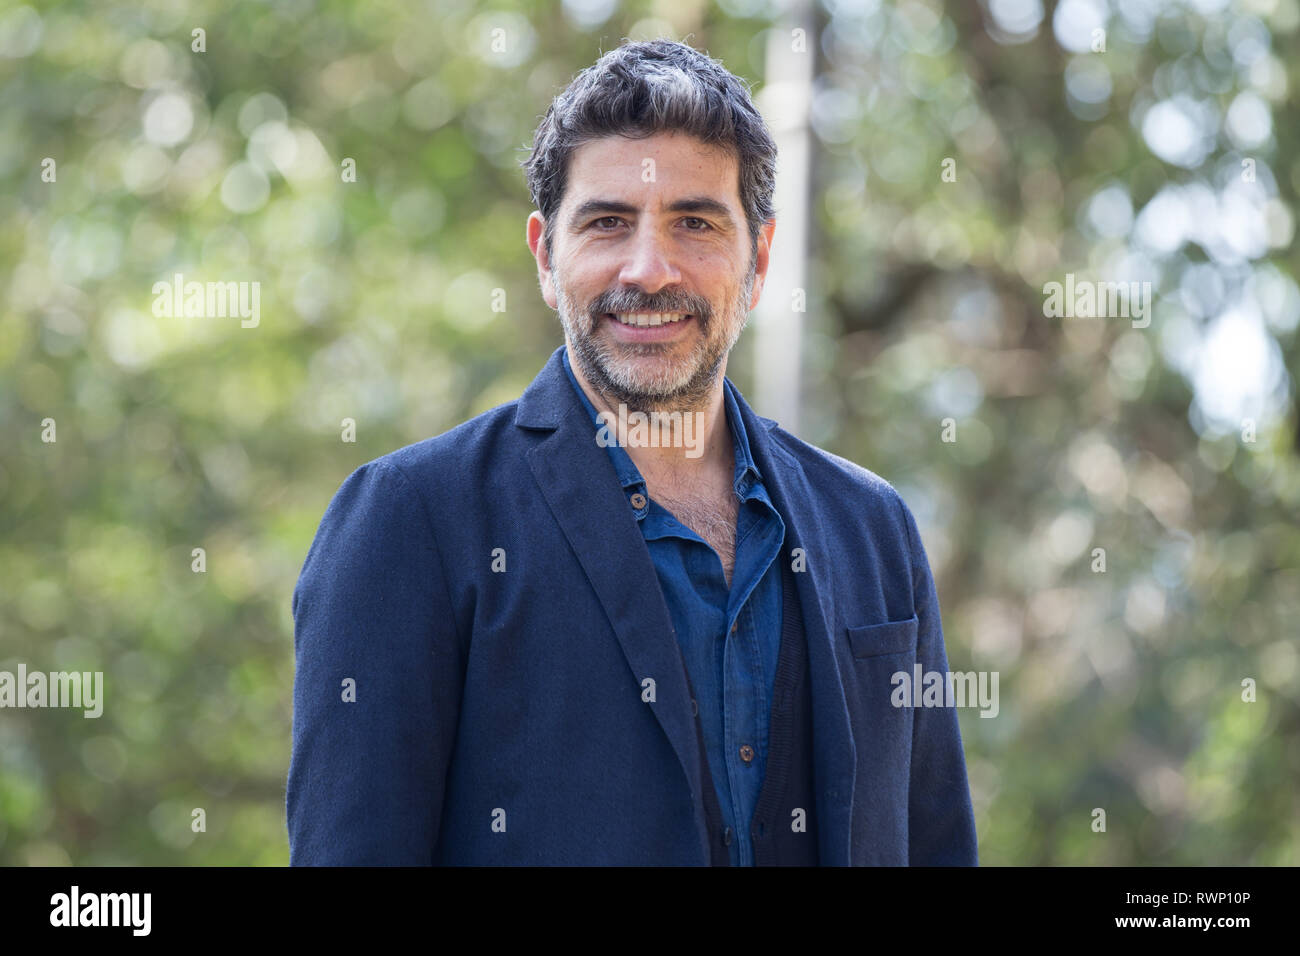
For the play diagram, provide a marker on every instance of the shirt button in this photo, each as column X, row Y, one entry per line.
column 638, row 501
column 734, row 626
column 726, row 837
column 747, row 753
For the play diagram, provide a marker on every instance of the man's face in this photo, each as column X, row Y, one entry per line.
column 653, row 226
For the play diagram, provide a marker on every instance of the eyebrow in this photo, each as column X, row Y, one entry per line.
column 693, row 204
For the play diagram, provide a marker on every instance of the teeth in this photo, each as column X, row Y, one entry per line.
column 649, row 318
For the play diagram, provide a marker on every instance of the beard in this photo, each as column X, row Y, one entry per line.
column 612, row 368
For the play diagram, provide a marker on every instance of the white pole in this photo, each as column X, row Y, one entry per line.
column 785, row 102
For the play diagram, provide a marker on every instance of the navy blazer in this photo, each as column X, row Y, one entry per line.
column 487, row 671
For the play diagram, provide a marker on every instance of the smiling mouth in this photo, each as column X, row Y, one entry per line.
column 647, row 319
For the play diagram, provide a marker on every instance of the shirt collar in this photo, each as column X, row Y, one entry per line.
column 747, row 473
column 747, row 476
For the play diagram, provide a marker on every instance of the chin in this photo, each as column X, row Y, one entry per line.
column 657, row 380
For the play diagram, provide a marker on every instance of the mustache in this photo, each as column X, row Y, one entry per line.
column 630, row 300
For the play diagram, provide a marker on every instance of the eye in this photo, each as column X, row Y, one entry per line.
column 604, row 219
column 703, row 226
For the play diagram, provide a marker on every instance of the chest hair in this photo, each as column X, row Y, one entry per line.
column 712, row 517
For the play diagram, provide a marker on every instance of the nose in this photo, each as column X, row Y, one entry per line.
column 649, row 264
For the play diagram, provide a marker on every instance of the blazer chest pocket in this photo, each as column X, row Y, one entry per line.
column 892, row 637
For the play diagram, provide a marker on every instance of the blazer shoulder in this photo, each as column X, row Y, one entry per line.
column 446, row 455
column 833, row 474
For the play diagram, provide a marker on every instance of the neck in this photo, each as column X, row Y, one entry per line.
column 670, row 449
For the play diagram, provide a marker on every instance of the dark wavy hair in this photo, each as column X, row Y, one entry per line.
column 648, row 87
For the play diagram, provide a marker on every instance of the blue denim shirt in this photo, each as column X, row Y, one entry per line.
column 729, row 637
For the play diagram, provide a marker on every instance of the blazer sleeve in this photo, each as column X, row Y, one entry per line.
column 941, row 822
column 377, row 681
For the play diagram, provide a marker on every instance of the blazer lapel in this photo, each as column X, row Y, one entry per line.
column 834, row 753
column 578, row 482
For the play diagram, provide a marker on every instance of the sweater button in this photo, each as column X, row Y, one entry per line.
column 695, row 707
column 747, row 753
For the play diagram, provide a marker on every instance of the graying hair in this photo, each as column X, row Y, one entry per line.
column 648, row 87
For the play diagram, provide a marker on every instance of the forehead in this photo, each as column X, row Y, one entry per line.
column 652, row 170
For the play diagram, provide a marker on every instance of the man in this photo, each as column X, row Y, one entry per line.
column 554, row 635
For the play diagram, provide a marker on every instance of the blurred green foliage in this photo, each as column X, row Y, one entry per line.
column 1119, row 690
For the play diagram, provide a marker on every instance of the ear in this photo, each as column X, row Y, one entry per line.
column 761, row 257
column 534, row 229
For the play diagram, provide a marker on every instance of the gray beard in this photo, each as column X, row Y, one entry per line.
column 693, row 395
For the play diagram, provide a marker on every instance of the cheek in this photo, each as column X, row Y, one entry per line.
column 585, row 283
